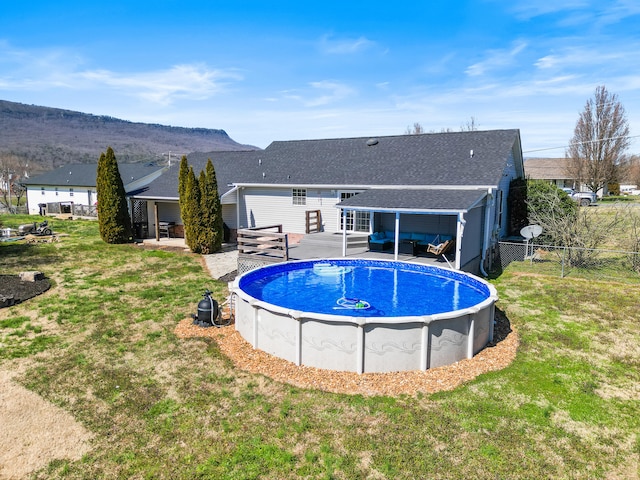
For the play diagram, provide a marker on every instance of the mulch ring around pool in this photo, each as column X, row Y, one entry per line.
column 497, row 355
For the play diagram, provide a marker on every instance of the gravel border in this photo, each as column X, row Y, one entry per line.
column 495, row 356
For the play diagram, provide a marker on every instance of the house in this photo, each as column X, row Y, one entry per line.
column 453, row 184
column 552, row 170
column 72, row 188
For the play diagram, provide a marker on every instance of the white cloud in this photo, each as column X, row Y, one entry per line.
column 577, row 12
column 572, row 57
column 345, row 46
column 528, row 9
column 193, row 82
column 496, row 59
column 52, row 68
column 331, row 92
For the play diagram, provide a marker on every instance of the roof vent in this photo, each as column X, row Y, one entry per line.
column 264, row 174
column 470, row 153
column 371, row 142
column 259, row 161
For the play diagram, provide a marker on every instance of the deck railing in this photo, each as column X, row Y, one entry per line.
column 264, row 241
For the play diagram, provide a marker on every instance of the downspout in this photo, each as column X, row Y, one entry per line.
column 487, row 230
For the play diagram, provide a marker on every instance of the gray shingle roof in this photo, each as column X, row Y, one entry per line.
column 428, row 159
column 439, row 159
column 84, row 175
column 407, row 199
column 229, row 166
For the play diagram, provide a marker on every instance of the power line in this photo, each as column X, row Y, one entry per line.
column 581, row 143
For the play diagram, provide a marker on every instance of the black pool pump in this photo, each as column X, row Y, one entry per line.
column 209, row 312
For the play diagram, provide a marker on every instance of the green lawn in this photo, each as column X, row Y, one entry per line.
column 100, row 345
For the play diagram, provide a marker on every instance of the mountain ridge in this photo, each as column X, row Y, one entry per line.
column 46, row 137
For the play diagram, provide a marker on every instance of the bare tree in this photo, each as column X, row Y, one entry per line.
column 633, row 170
column 415, row 130
column 12, row 171
column 599, row 141
column 470, row 126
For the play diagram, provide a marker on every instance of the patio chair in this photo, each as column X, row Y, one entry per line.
column 441, row 248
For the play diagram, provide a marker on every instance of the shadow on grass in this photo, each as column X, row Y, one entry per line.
column 501, row 329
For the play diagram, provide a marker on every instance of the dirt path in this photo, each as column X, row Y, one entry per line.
column 34, row 432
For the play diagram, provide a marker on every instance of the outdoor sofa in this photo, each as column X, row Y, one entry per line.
column 412, row 241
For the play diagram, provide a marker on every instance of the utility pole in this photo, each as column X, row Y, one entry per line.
column 9, row 184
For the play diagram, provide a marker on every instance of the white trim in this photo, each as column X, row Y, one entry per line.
column 333, row 186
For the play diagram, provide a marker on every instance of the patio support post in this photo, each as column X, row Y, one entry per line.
column 397, row 237
column 344, row 232
column 155, row 215
column 459, row 235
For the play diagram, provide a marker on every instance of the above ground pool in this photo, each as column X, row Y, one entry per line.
column 364, row 315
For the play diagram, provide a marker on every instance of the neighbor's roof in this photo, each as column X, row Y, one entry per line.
column 437, row 159
column 546, row 168
column 437, row 200
column 84, row 175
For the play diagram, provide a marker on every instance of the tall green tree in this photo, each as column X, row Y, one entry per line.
column 183, row 174
column 211, row 224
column 113, row 215
column 191, row 213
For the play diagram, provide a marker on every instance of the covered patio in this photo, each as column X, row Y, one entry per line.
column 453, row 212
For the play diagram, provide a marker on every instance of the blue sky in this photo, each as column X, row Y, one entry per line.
column 285, row 70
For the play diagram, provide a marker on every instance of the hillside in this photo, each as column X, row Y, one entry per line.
column 46, row 138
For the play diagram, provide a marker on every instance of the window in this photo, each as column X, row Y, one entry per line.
column 56, row 191
column 299, row 196
column 71, row 192
column 42, row 190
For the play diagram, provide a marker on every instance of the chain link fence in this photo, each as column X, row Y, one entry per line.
column 597, row 264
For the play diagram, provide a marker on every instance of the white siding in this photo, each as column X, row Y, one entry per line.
column 37, row 194
column 274, row 206
column 229, row 215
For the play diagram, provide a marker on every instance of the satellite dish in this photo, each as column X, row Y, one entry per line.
column 531, row 231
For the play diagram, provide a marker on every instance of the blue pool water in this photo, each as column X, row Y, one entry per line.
column 368, row 288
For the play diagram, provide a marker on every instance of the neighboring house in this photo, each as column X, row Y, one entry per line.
column 72, row 188
column 555, row 171
column 453, row 184
column 552, row 170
